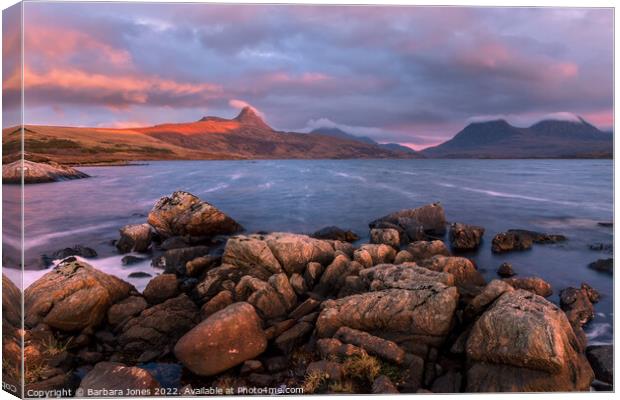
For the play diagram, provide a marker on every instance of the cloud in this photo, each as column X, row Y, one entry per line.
column 240, row 104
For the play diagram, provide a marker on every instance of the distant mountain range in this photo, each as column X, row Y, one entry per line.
column 247, row 136
column 545, row 139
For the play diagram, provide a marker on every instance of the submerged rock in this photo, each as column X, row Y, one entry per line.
column 505, row 270
column 538, row 237
column 335, row 233
column 73, row 296
column 225, row 339
column 77, row 250
column 38, row 172
column 465, row 237
column 524, row 343
column 603, row 265
column 416, row 223
column 183, row 214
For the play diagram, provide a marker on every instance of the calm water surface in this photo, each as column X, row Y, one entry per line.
column 567, row 197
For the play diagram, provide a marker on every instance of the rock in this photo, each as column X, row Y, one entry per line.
column 220, row 301
column 225, row 339
column 260, row 380
column 489, row 294
column 532, row 284
column 524, row 343
column 403, row 276
column 174, row 261
column 402, row 257
column 161, row 288
column 276, row 364
column 252, row 254
column 465, row 237
column 293, row 337
column 200, row 264
column 77, row 250
column 334, row 349
column 601, row 386
column 279, row 328
column 601, row 358
column 157, row 328
column 388, row 236
column 538, row 237
column 383, row 385
column 139, row 274
column 335, row 274
column 422, row 250
column 335, row 233
column 125, row 309
column 11, row 307
column 423, row 313
column 463, row 270
column 251, row 366
column 414, row 224
column 510, row 241
column 173, row 242
column 136, row 237
column 450, row 382
column 607, row 224
column 298, row 284
column 305, row 308
column 185, row 214
column 605, row 247
column 313, row 273
column 284, row 290
column 216, row 280
column 353, row 284
column 111, row 377
column 73, row 296
column 505, row 270
column 372, row 254
column 329, row 369
column 577, row 305
column 130, row 260
column 604, row 265
column 38, row 172
column 385, row 349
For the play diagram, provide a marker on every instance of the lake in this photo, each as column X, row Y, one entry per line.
column 566, row 197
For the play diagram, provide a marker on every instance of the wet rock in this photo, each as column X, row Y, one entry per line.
column 372, row 254
column 73, row 296
column 532, row 284
column 220, row 301
column 113, row 376
column 465, row 237
column 77, row 250
column 293, row 337
column 538, row 237
column 139, row 274
column 161, row 288
column 423, row 313
column 185, row 214
column 505, row 270
column 135, row 237
column 603, row 265
column 335, row 233
column 601, row 358
column 200, row 264
column 422, row 250
column 415, row 224
column 463, row 270
column 387, row 236
column 157, row 328
column 511, row 241
column 403, row 276
column 525, row 343
column 174, row 261
column 225, row 339
column 577, row 305
column 131, row 260
column 376, row 346
column 126, row 309
column 383, row 385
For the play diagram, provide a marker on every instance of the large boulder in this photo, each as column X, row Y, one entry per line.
column 335, row 233
column 523, row 343
column 112, row 379
column 136, row 237
column 154, row 332
column 463, row 270
column 225, row 339
column 272, row 299
column 402, row 276
column 422, row 250
column 73, row 296
column 161, row 288
column 421, row 313
column 182, row 214
column 38, row 172
column 415, row 223
column 465, row 237
column 264, row 255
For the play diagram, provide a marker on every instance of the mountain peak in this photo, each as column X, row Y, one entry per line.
column 249, row 116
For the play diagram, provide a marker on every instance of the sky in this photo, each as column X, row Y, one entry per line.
column 411, row 75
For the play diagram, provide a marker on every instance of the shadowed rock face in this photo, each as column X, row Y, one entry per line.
column 534, row 348
column 116, row 376
column 35, row 172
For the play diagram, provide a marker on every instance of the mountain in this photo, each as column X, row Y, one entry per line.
column 545, row 139
column 246, row 136
column 336, row 132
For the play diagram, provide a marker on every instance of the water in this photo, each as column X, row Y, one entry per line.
column 566, row 197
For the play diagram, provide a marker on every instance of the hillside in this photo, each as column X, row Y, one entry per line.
column 245, row 137
column 545, row 139
column 339, row 133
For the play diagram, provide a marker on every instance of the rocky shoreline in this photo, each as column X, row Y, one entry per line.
column 401, row 314
column 38, row 172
